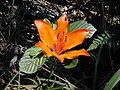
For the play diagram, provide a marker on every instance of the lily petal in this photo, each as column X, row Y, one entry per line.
column 45, row 49
column 46, row 33
column 62, row 24
column 75, row 53
column 61, row 31
column 48, row 52
column 75, row 38
column 60, row 58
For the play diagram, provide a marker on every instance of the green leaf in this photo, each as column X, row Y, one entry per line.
column 82, row 24
column 34, row 51
column 72, row 64
column 30, row 64
column 103, row 38
column 113, row 81
column 47, row 20
column 54, row 26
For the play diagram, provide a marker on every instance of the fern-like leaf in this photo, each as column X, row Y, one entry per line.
column 101, row 39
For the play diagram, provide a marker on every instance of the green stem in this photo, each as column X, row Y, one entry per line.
column 58, row 77
column 19, row 81
column 53, row 63
column 11, row 81
column 111, row 60
column 96, row 67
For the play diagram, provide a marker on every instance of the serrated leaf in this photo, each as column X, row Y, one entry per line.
column 82, row 24
column 92, row 47
column 102, row 39
column 72, row 64
column 30, row 64
column 113, row 81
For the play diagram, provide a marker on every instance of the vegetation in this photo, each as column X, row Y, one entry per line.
column 24, row 66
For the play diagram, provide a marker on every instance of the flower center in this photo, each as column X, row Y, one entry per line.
column 58, row 46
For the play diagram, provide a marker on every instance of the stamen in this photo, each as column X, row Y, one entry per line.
column 65, row 18
column 65, row 38
column 63, row 32
column 60, row 40
column 54, row 47
column 58, row 35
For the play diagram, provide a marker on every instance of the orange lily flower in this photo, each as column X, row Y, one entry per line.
column 56, row 42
